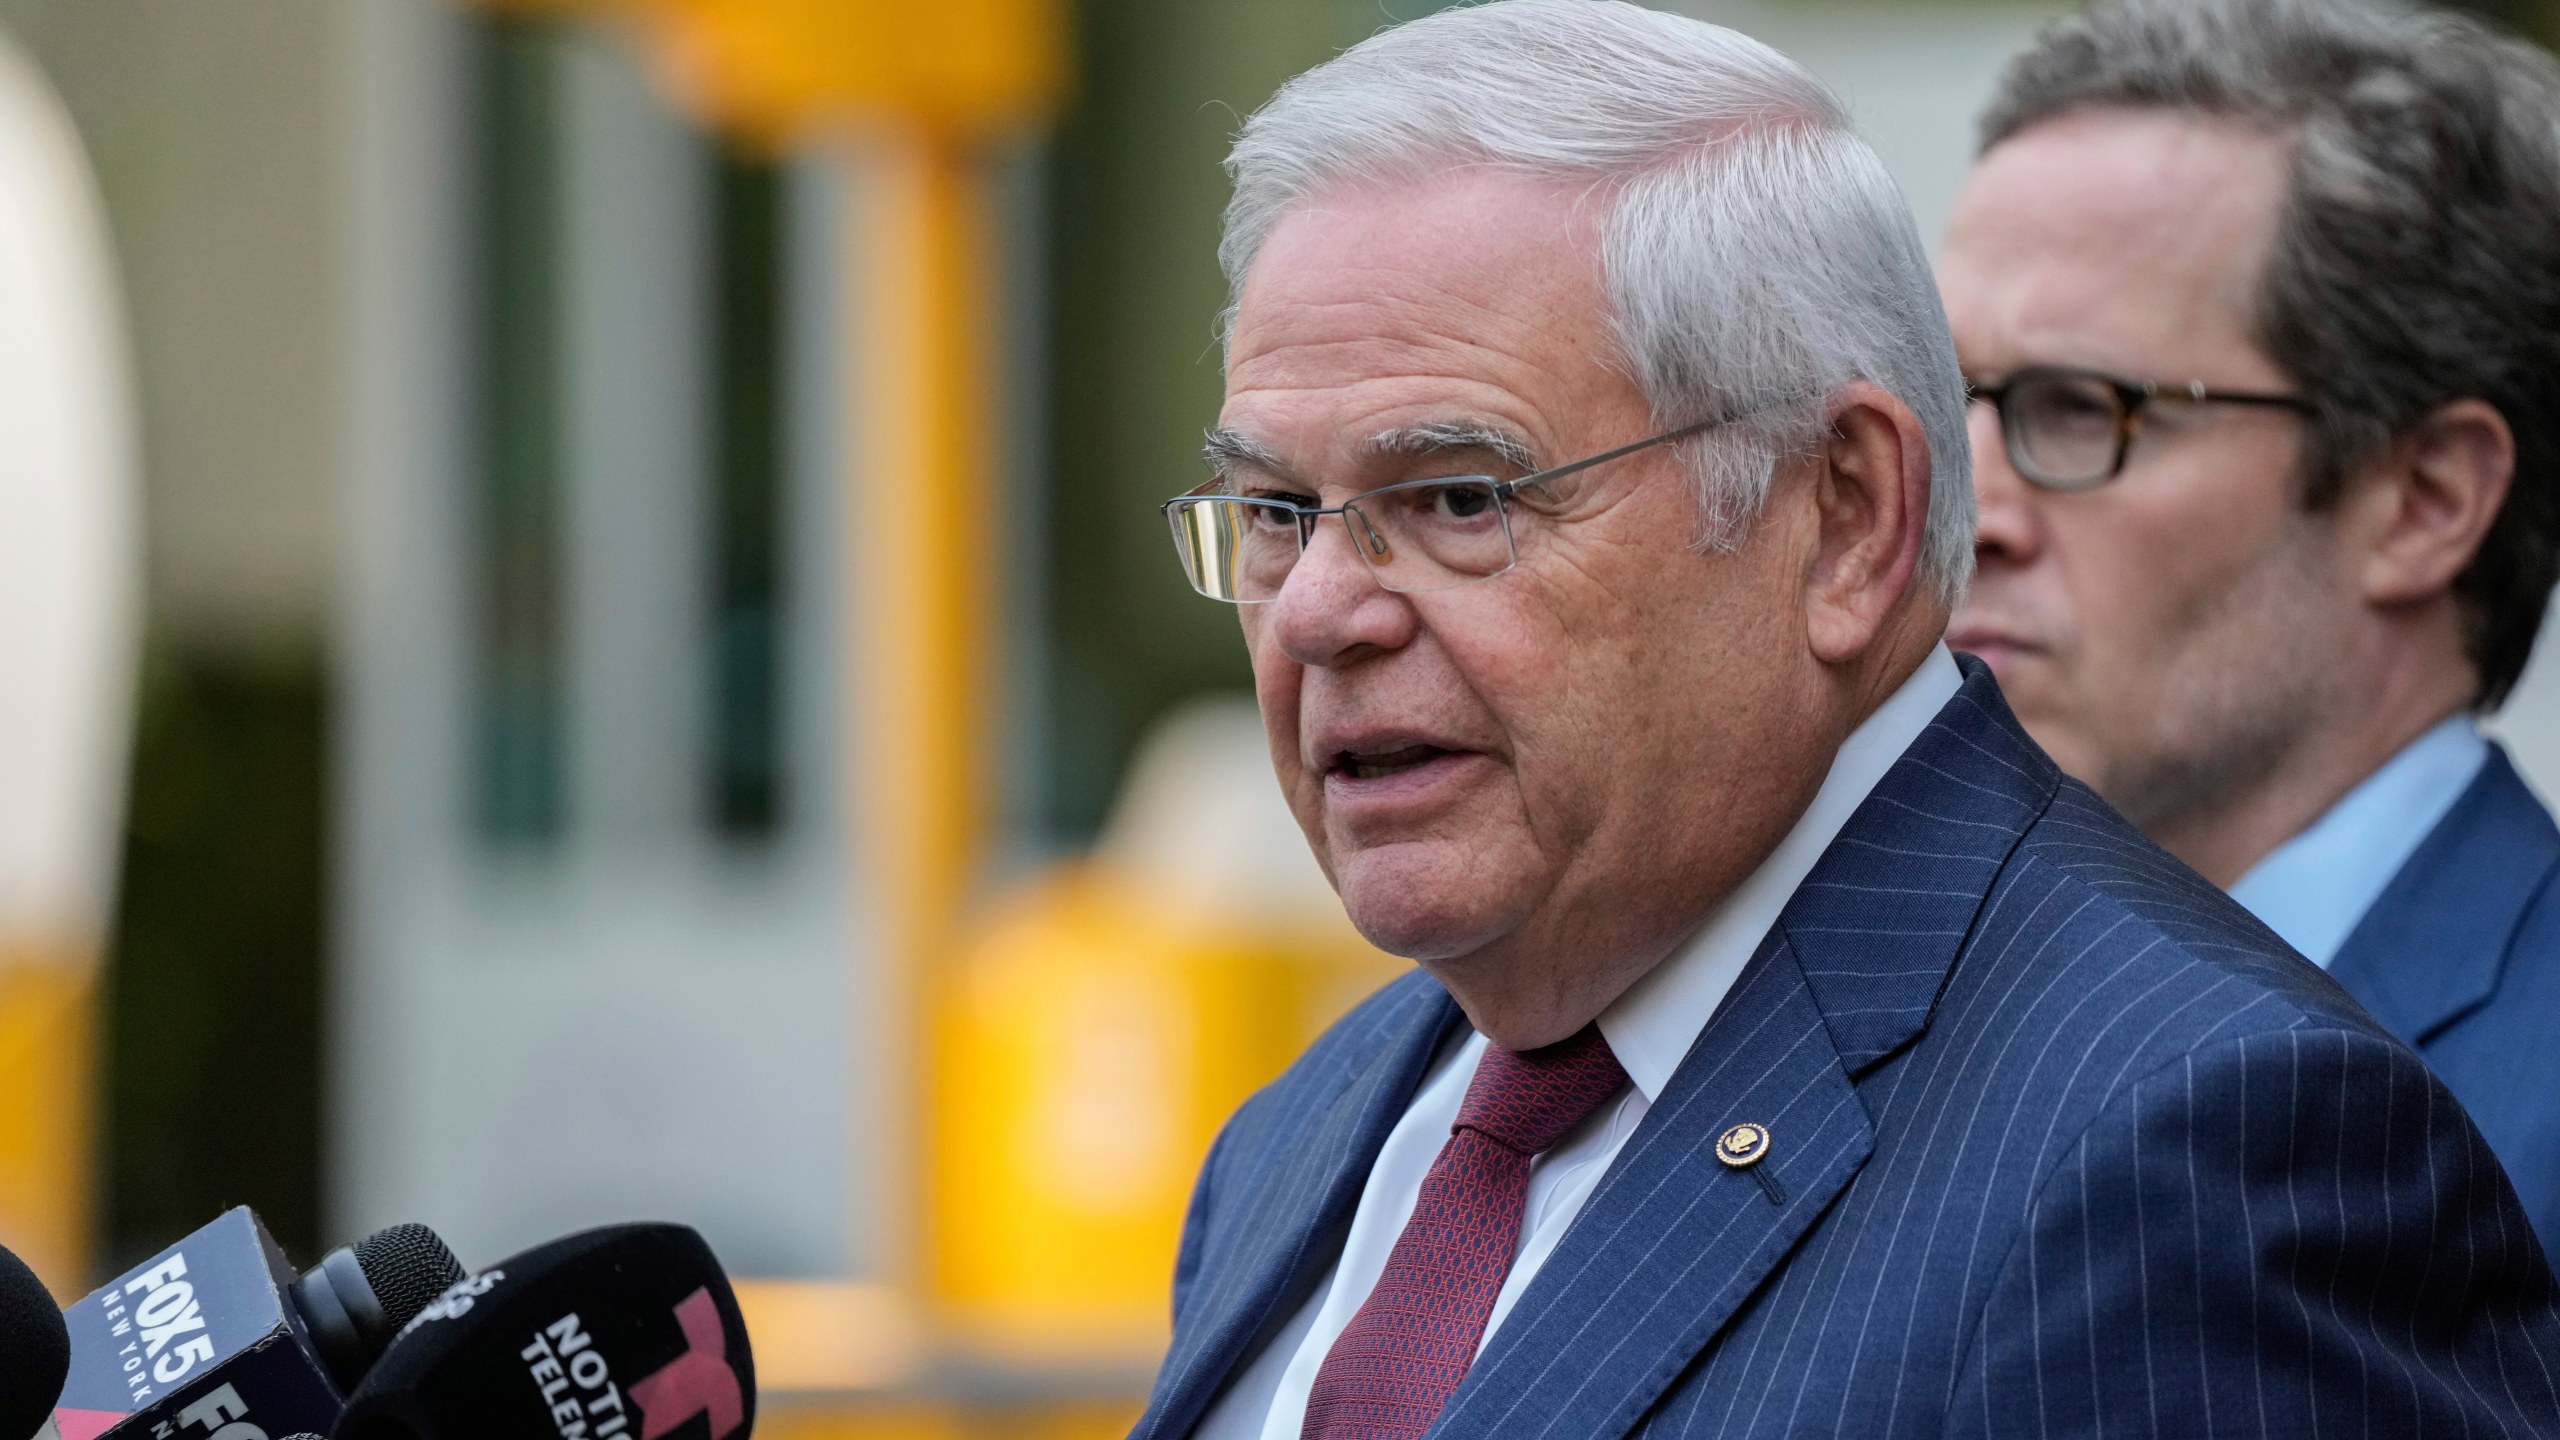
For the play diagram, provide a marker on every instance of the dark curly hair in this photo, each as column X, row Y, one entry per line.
column 2417, row 260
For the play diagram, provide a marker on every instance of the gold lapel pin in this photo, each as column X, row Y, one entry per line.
column 1743, row 1148
column 1743, row 1145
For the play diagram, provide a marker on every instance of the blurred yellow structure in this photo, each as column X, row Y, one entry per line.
column 1097, row 1039
column 1091, row 1040
column 48, row 1056
column 779, row 70
column 1084, row 1420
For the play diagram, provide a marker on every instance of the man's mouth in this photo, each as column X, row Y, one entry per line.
column 1992, row 642
column 1378, row 764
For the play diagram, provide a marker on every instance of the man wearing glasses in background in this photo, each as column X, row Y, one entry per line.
column 1792, row 1050
column 2260, row 304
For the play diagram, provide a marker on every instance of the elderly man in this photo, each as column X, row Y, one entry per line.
column 1794, row 1050
column 2262, row 301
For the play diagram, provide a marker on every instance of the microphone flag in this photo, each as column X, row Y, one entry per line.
column 629, row 1332
column 197, row 1338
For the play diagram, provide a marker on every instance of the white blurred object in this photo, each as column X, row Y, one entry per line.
column 69, row 533
column 1201, row 822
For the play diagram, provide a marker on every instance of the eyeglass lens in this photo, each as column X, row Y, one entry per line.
column 2063, row 430
column 1417, row 536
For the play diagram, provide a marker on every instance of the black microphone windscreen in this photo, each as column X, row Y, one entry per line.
column 408, row 1266
column 35, row 1349
column 622, row 1333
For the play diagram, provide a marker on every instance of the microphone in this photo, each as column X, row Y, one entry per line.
column 629, row 1332
column 216, row 1335
column 35, row 1349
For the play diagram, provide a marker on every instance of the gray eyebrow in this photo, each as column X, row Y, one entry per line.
column 1230, row 450
column 1441, row 437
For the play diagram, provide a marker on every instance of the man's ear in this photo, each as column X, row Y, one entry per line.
column 2420, row 512
column 1871, row 501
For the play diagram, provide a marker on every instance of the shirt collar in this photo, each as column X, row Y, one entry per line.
column 2315, row 887
column 1652, row 1026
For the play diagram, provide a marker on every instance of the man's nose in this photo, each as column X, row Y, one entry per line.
column 1332, row 610
column 2008, row 520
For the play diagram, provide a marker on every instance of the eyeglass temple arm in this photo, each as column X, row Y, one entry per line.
column 2244, row 397
column 2200, row 393
column 2130, row 411
column 2134, row 394
column 1559, row 472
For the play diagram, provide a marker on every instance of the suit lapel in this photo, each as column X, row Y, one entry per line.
column 1674, row 1242
column 2431, row 948
column 1284, row 1234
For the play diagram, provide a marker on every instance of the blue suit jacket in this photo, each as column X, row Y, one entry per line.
column 2460, row 956
column 2067, row 1144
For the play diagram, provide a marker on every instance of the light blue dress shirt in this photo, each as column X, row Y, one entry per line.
column 2315, row 887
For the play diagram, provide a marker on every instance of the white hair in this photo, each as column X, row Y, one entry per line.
column 1756, row 255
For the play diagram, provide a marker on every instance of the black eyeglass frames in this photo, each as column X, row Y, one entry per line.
column 2068, row 428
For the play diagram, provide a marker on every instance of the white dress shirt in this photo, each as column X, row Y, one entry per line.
column 2314, row 888
column 1650, row 1028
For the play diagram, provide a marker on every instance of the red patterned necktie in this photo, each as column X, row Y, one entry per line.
column 1413, row 1339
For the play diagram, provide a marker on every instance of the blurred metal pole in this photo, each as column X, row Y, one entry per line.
column 920, row 531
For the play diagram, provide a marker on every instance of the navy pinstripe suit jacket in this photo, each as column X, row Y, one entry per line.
column 2067, row 1144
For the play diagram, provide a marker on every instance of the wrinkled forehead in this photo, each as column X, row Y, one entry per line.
column 1477, row 291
